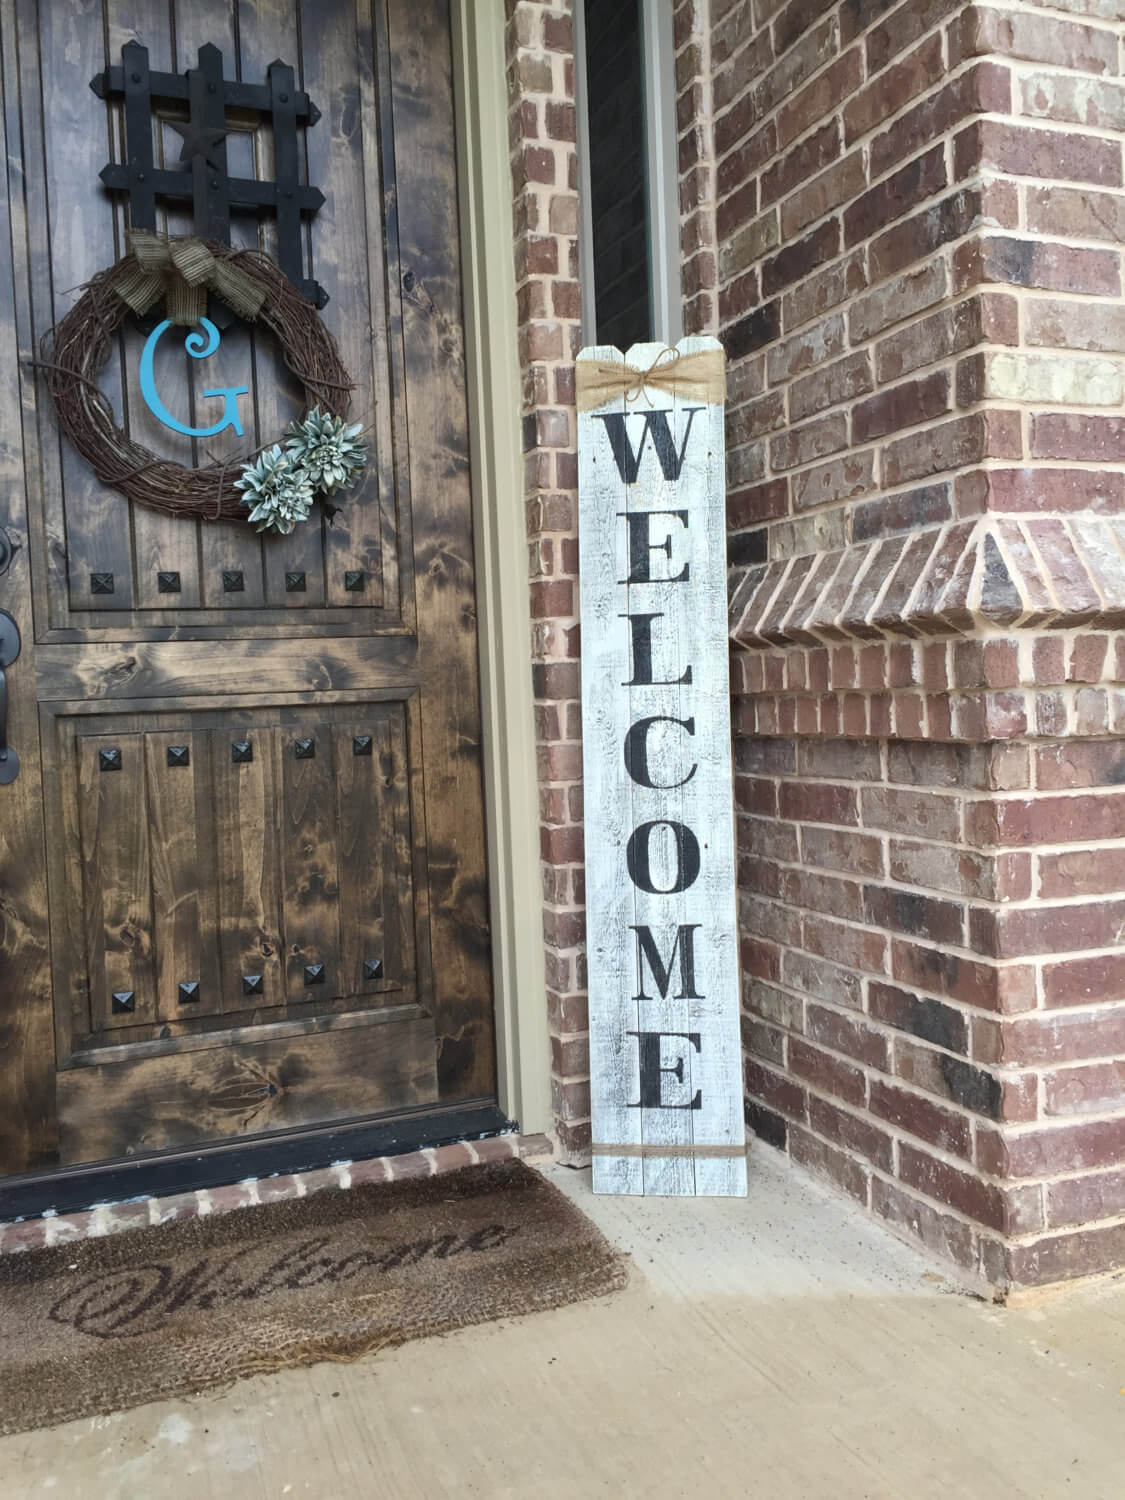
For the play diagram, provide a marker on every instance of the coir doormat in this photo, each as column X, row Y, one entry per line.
column 104, row 1324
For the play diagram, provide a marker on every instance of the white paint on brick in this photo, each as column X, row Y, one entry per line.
column 1070, row 324
column 1055, row 379
column 823, row 532
column 1086, row 101
column 59, row 1230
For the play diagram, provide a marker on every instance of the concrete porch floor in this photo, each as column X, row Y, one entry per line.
column 781, row 1347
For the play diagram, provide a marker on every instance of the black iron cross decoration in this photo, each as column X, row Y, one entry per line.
column 202, row 176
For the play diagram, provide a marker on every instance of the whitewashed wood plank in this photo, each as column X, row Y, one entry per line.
column 663, row 962
column 605, row 709
column 709, row 807
column 667, row 550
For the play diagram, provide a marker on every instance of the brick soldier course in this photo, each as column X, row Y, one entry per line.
column 141, row 1213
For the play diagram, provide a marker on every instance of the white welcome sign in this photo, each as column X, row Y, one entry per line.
column 659, row 823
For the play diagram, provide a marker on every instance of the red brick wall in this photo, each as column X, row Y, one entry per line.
column 919, row 216
column 540, row 53
column 696, row 126
column 905, row 220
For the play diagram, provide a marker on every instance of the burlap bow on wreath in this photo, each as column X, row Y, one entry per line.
column 182, row 272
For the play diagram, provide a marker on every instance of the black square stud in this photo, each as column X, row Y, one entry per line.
column 168, row 583
column 233, row 583
column 179, row 755
column 361, row 745
column 294, row 583
column 242, row 751
column 372, row 968
column 314, row 974
column 123, row 1002
column 305, row 749
column 101, row 583
column 189, row 992
column 355, row 583
column 109, row 760
column 252, row 984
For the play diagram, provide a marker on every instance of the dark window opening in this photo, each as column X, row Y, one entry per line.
column 618, row 207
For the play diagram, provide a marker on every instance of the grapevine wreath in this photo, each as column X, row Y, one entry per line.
column 274, row 487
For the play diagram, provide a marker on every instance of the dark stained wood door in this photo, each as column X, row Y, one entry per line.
column 243, row 886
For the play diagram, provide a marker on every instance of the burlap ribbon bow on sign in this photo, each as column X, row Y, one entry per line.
column 182, row 272
column 700, row 376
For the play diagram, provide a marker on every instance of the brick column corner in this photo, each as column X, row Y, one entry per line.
column 540, row 58
column 920, row 216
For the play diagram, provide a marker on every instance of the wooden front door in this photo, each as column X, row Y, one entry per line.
column 243, row 885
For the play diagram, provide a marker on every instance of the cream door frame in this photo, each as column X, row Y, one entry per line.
column 503, row 597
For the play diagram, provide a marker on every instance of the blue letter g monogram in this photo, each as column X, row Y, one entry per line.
column 198, row 348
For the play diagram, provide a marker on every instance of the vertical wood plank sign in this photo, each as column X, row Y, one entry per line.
column 660, row 885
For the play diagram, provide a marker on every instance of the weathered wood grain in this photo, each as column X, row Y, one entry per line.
column 70, row 51
column 225, row 546
column 375, row 876
column 248, row 874
column 160, row 669
column 118, row 894
column 610, row 898
column 418, row 44
column 160, row 543
column 130, row 1044
column 402, row 918
column 182, row 882
column 265, row 32
column 246, row 1088
column 28, row 1135
column 335, row 35
column 310, row 885
column 660, row 880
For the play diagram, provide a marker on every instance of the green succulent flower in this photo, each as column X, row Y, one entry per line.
column 328, row 449
column 281, row 512
column 277, row 493
column 322, row 454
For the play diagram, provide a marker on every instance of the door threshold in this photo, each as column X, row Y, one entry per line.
column 70, row 1189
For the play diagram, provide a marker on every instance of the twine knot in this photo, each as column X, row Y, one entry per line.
column 694, row 375
column 643, row 378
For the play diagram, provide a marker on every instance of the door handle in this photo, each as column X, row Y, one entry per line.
column 10, row 644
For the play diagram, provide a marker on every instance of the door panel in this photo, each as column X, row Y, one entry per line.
column 230, row 868
column 252, row 859
column 331, row 570
column 261, row 819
